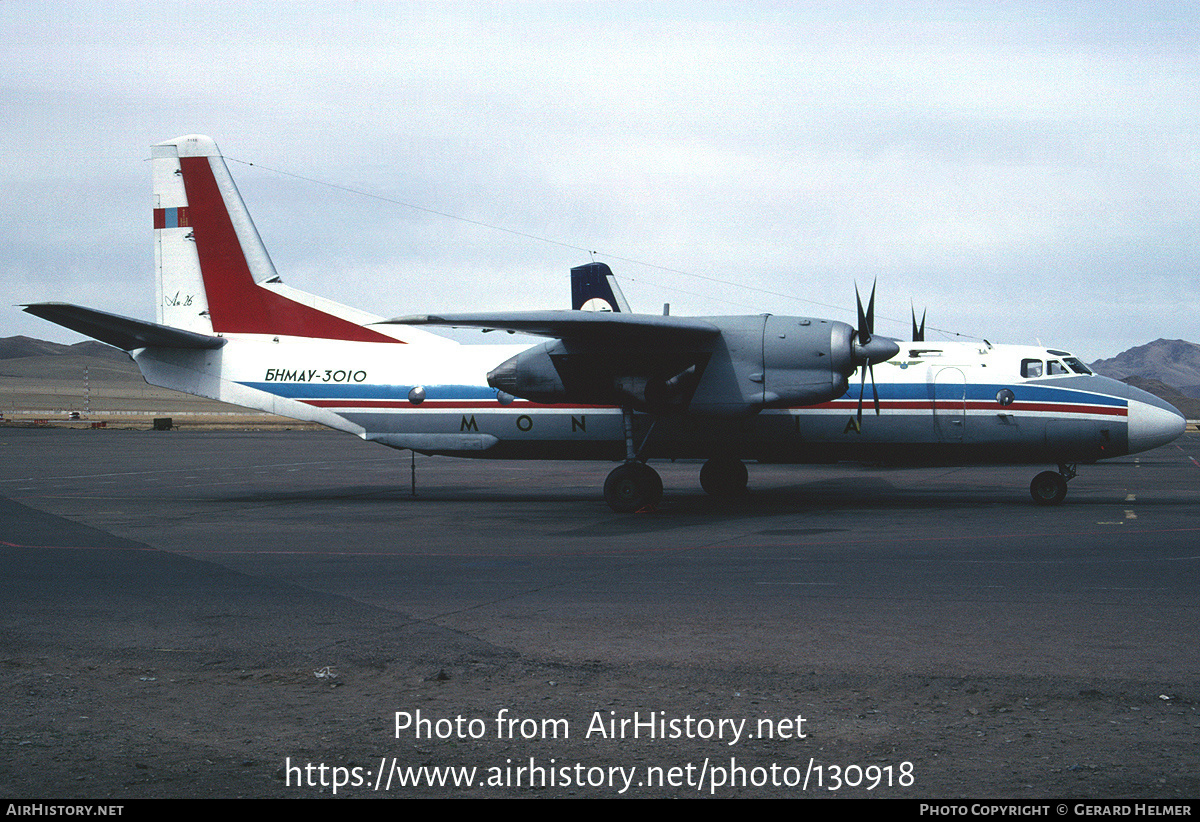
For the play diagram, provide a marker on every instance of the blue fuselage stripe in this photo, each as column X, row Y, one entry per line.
column 887, row 392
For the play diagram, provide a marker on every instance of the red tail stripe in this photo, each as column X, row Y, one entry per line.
column 236, row 304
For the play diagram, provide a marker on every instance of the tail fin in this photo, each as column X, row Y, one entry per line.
column 210, row 260
column 594, row 288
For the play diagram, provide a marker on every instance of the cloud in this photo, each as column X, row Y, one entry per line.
column 1014, row 166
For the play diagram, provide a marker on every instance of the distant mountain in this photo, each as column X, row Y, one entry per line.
column 1175, row 363
column 12, row 348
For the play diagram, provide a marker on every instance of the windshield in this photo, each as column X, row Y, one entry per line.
column 1031, row 368
column 1075, row 365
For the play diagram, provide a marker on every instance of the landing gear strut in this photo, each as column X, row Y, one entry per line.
column 1050, row 487
column 724, row 477
column 633, row 485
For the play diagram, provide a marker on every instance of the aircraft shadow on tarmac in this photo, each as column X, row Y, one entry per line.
column 864, row 492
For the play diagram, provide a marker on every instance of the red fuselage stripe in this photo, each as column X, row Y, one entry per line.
column 438, row 404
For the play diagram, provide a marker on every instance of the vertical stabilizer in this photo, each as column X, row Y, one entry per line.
column 594, row 288
column 210, row 259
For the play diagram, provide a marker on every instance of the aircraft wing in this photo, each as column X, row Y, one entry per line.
column 579, row 326
column 125, row 333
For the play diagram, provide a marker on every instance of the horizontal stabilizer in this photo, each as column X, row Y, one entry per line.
column 583, row 326
column 125, row 333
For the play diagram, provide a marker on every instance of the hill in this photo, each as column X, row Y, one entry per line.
column 1175, row 363
column 14, row 348
column 1188, row 406
column 48, row 379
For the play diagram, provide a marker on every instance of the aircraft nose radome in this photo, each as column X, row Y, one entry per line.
column 1151, row 425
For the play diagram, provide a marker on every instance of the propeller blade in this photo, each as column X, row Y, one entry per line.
column 862, row 384
column 871, row 313
column 866, row 350
column 864, row 335
column 866, row 319
column 918, row 334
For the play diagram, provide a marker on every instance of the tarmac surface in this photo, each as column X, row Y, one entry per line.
column 222, row 614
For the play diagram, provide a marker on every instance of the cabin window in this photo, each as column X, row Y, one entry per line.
column 1031, row 368
column 1055, row 368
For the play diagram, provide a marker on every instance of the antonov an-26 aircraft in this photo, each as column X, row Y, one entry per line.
column 606, row 385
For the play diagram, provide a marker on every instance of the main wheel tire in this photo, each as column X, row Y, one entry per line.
column 724, row 477
column 1048, row 488
column 632, row 487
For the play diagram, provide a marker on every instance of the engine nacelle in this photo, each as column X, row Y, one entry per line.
column 804, row 361
column 555, row 372
column 531, row 374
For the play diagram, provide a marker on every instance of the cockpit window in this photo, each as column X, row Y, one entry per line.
column 1075, row 365
column 1054, row 368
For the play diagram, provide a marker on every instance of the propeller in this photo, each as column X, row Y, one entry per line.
column 918, row 333
column 868, row 349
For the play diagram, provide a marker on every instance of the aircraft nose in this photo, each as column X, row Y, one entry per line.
column 1152, row 425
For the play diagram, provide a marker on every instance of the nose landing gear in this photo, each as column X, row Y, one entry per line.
column 1050, row 487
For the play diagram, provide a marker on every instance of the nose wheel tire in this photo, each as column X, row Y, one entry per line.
column 632, row 487
column 1048, row 488
column 723, row 478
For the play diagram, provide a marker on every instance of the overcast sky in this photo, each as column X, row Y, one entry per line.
column 1027, row 171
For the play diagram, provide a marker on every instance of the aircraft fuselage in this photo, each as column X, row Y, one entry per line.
column 952, row 403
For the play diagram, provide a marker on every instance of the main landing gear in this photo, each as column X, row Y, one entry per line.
column 1050, row 487
column 634, row 486
column 724, row 477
